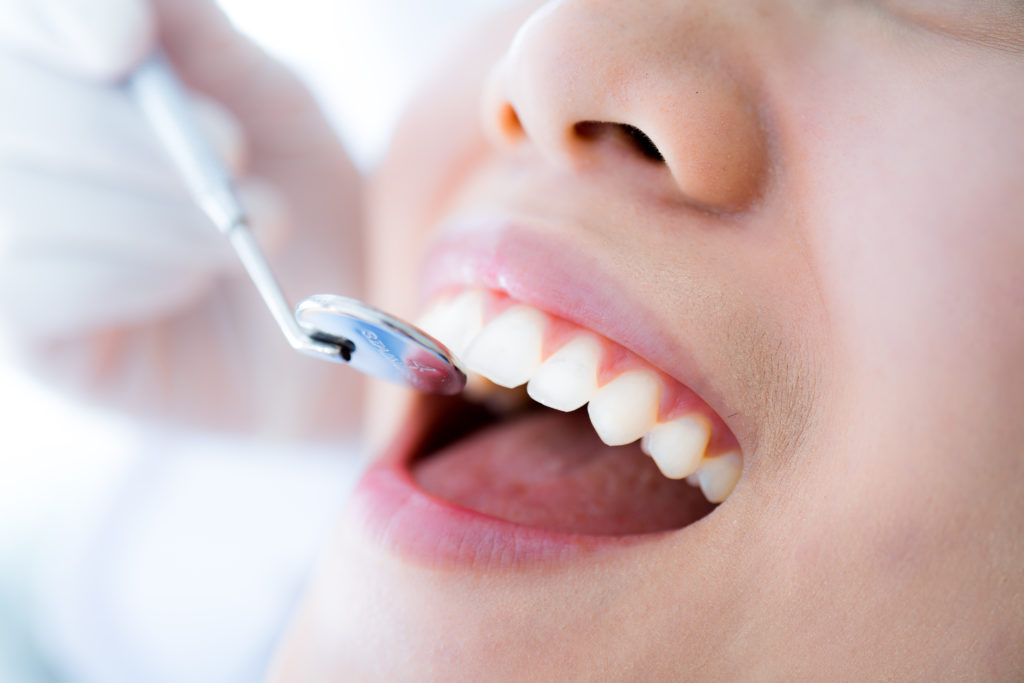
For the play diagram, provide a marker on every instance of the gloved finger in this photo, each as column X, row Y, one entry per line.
column 126, row 231
column 93, row 273
column 290, row 141
column 63, row 296
column 106, row 137
column 43, row 212
column 51, row 120
column 222, row 131
column 97, row 39
column 282, row 120
column 267, row 213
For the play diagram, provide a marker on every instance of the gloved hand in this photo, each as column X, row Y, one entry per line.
column 110, row 277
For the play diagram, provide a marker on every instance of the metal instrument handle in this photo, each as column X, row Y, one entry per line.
column 162, row 98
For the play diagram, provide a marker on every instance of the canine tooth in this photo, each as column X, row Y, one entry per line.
column 718, row 476
column 508, row 349
column 678, row 445
column 568, row 379
column 457, row 322
column 626, row 408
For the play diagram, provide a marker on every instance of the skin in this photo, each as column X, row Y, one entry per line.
column 837, row 232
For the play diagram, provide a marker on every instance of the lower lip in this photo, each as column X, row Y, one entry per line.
column 395, row 514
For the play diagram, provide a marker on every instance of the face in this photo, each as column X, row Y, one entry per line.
column 796, row 228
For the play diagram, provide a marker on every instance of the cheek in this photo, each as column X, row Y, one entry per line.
column 914, row 223
column 919, row 246
column 925, row 284
column 868, row 537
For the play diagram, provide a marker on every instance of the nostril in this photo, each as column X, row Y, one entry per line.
column 631, row 135
column 642, row 143
column 509, row 125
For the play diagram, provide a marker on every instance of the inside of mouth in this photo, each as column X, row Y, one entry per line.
column 547, row 469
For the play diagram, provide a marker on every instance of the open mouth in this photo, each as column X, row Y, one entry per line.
column 564, row 430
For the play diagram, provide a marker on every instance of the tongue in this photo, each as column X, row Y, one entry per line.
column 549, row 470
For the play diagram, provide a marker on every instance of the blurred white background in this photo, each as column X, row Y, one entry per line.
column 121, row 562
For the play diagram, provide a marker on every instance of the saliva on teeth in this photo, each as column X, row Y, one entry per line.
column 507, row 352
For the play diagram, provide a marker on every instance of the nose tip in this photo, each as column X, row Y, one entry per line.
column 575, row 65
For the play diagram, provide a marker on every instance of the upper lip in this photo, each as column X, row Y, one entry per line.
column 537, row 267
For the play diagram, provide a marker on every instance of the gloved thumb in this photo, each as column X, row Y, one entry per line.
column 101, row 39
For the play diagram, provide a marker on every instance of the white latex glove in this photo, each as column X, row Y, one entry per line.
column 100, row 38
column 110, row 277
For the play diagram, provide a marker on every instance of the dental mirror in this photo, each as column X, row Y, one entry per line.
column 325, row 326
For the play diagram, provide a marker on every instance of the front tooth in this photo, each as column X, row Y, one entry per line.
column 455, row 323
column 626, row 408
column 677, row 446
column 568, row 379
column 508, row 350
column 718, row 476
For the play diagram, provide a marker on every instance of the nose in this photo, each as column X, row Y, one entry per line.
column 657, row 72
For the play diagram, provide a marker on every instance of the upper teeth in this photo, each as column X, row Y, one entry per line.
column 626, row 408
column 678, row 445
column 568, row 378
column 509, row 350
